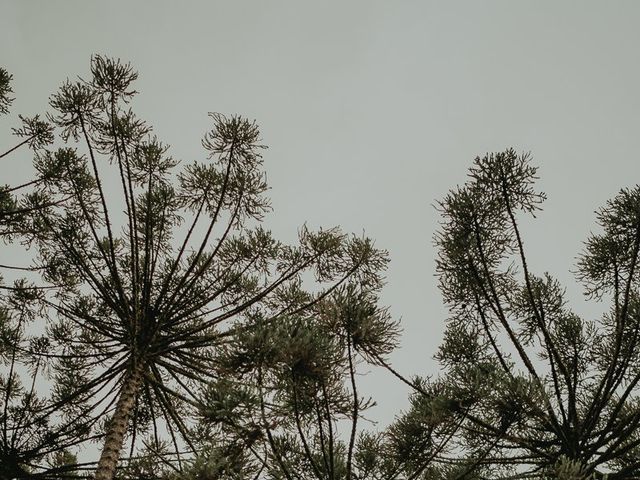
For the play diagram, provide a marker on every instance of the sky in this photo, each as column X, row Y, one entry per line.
column 372, row 111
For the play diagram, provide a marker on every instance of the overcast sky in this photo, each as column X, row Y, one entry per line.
column 372, row 111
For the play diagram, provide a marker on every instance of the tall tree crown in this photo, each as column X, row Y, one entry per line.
column 138, row 304
column 547, row 392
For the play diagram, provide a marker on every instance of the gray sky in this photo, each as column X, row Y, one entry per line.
column 372, row 111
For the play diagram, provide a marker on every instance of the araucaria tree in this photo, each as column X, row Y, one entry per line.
column 291, row 406
column 171, row 326
column 32, row 445
column 546, row 394
column 150, row 268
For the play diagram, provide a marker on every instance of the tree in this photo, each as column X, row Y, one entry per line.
column 547, row 394
column 292, row 387
column 291, row 408
column 31, row 445
column 139, row 306
column 34, row 133
column 5, row 91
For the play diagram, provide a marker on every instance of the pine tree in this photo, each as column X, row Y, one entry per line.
column 139, row 305
column 31, row 445
column 292, row 406
column 34, row 133
column 546, row 393
column 293, row 388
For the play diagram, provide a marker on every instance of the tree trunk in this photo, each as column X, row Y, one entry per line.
column 118, row 425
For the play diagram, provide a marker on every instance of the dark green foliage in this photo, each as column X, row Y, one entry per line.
column 177, row 284
column 33, row 444
column 544, row 390
column 37, row 133
column 243, row 354
column 295, row 403
column 5, row 91
column 31, row 441
column 295, row 382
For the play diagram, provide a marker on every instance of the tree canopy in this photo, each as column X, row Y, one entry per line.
column 548, row 394
column 139, row 306
column 161, row 320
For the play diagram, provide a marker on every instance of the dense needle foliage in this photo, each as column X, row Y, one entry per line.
column 160, row 319
column 32, row 445
column 138, row 305
column 548, row 394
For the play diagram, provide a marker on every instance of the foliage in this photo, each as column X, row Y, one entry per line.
column 170, row 326
column 292, row 385
column 32, row 445
column 140, row 307
column 573, row 410
column 5, row 91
